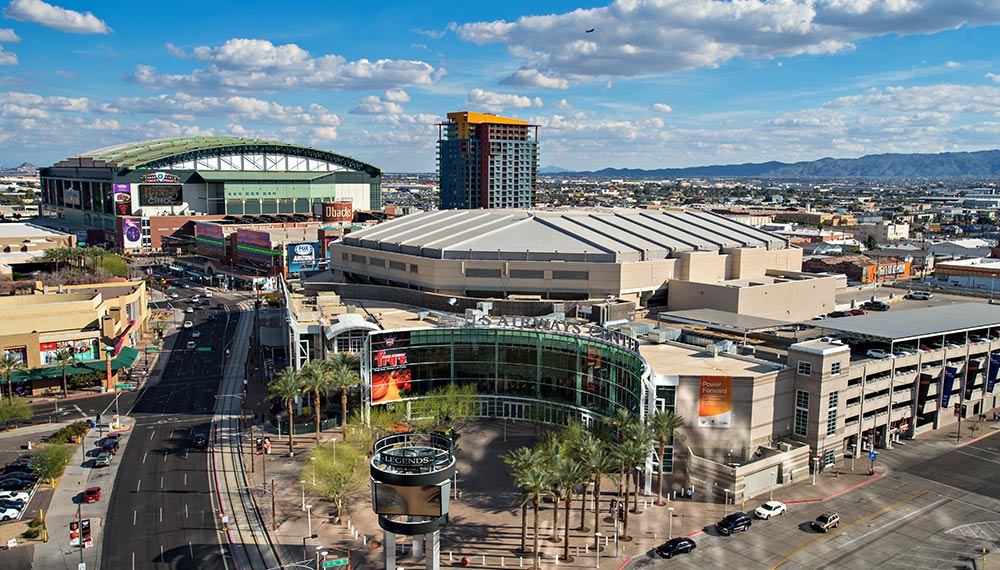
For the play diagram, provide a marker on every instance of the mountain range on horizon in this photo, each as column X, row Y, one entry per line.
column 976, row 164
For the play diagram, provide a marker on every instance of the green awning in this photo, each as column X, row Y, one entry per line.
column 125, row 359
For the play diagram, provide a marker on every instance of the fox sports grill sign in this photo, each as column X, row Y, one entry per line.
column 303, row 256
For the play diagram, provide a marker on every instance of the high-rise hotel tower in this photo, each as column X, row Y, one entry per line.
column 487, row 161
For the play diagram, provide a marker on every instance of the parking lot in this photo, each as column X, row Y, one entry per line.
column 924, row 515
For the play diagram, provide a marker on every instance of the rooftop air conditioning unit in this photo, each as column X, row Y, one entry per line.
column 784, row 447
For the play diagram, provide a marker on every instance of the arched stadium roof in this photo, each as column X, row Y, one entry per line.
column 163, row 152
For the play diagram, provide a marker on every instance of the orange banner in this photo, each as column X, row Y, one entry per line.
column 715, row 401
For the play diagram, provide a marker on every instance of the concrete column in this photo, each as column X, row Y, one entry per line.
column 418, row 546
column 433, row 559
column 389, row 548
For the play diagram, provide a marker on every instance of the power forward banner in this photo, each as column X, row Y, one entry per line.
column 991, row 376
column 949, row 381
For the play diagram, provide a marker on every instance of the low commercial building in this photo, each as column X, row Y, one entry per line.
column 98, row 324
column 860, row 268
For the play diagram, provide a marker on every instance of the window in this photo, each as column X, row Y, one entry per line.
column 571, row 275
column 358, row 258
column 526, row 274
column 397, row 265
column 828, row 457
column 484, row 273
column 801, row 413
column 805, row 368
column 831, row 418
column 835, row 368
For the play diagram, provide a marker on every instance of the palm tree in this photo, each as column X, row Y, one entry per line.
column 595, row 456
column 520, row 460
column 8, row 365
column 315, row 378
column 537, row 483
column 63, row 358
column 286, row 385
column 568, row 474
column 664, row 426
column 344, row 376
column 632, row 451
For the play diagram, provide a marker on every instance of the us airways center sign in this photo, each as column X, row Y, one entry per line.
column 534, row 323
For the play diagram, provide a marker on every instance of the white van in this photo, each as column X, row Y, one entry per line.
column 920, row 295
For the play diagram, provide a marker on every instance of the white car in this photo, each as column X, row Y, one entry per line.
column 8, row 514
column 831, row 339
column 196, row 334
column 920, row 295
column 208, row 294
column 14, row 495
column 879, row 353
column 174, row 296
column 770, row 509
column 188, row 324
column 189, row 310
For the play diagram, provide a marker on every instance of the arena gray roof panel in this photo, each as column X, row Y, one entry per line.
column 596, row 235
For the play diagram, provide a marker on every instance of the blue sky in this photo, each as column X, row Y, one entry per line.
column 658, row 83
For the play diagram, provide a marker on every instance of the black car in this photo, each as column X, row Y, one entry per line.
column 110, row 446
column 839, row 314
column 199, row 440
column 875, row 306
column 16, row 468
column 735, row 522
column 679, row 545
column 11, row 504
column 15, row 485
column 19, row 475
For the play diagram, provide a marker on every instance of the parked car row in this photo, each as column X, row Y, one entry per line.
column 17, row 479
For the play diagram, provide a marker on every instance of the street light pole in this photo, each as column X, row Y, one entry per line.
column 309, row 518
column 597, row 549
column 670, row 526
column 303, row 495
column 993, row 277
column 774, row 476
column 727, row 502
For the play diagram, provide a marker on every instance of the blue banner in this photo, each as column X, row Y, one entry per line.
column 991, row 376
column 949, row 380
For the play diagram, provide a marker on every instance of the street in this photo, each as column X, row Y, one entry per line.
column 161, row 511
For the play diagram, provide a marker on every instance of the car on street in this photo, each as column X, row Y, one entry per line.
column 875, row 306
column 9, row 514
column 199, row 440
column 879, row 353
column 14, row 496
column 174, row 296
column 839, row 314
column 15, row 485
column 191, row 345
column 92, row 495
column 103, row 459
column 920, row 295
column 736, row 522
column 110, row 446
column 770, row 509
column 196, row 334
column 679, row 545
column 826, row 521
column 189, row 310
column 208, row 294
column 188, row 324
column 858, row 312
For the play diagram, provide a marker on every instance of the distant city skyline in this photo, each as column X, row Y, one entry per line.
column 655, row 84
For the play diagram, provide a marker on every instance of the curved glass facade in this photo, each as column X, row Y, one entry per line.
column 526, row 374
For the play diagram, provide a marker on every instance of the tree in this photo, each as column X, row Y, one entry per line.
column 8, row 365
column 344, row 375
column 448, row 404
column 664, row 426
column 595, row 456
column 520, row 460
column 338, row 471
column 537, row 483
column 16, row 409
column 631, row 451
column 286, row 385
column 50, row 461
column 315, row 378
column 568, row 474
column 871, row 242
column 64, row 358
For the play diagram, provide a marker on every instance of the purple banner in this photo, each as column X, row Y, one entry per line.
column 949, row 380
column 991, row 376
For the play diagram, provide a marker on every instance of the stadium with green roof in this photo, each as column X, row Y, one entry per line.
column 118, row 193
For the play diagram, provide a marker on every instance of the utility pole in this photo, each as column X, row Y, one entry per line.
column 274, row 518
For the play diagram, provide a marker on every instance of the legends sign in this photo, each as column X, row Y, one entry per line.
column 535, row 323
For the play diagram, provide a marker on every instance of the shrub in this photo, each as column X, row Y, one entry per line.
column 31, row 533
column 50, row 461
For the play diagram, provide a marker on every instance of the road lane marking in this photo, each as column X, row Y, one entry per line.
column 900, row 519
column 191, row 548
column 137, row 485
column 185, row 510
column 144, row 453
column 788, row 556
column 161, row 481
column 81, row 411
column 151, row 434
column 161, row 517
column 161, row 553
column 185, row 479
column 134, row 515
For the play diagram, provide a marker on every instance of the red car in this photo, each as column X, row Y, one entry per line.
column 857, row 312
column 92, row 495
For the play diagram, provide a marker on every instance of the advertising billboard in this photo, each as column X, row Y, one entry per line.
column 390, row 360
column 83, row 349
column 131, row 233
column 338, row 211
column 123, row 199
column 991, row 376
column 947, row 385
column 255, row 246
column 160, row 195
column 210, row 240
column 303, row 256
column 71, row 196
column 418, row 500
column 715, row 401
column 161, row 178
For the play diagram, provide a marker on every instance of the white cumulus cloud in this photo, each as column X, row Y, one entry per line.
column 396, row 96
column 372, row 105
column 492, row 101
column 661, row 108
column 54, row 17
